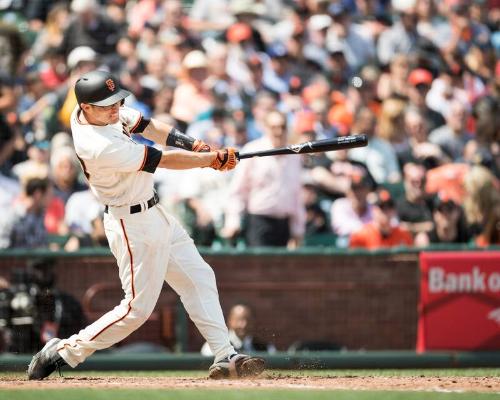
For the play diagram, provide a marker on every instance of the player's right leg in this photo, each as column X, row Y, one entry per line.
column 193, row 279
column 142, row 269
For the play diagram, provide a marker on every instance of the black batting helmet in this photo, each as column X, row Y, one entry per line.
column 99, row 88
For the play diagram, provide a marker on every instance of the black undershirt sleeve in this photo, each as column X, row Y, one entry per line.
column 141, row 125
column 153, row 157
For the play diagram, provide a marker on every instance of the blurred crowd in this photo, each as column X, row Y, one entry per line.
column 421, row 78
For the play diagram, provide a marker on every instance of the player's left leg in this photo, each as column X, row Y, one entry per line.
column 142, row 266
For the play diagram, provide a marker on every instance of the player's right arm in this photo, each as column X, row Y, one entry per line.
column 222, row 159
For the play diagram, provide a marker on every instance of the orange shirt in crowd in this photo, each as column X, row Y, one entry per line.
column 370, row 237
column 448, row 179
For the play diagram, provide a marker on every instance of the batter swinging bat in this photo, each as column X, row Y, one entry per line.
column 315, row 146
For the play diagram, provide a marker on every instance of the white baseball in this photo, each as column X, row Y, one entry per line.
column 357, row 82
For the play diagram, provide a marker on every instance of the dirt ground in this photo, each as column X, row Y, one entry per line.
column 441, row 384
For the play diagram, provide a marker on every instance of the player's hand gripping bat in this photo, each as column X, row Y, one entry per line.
column 314, row 146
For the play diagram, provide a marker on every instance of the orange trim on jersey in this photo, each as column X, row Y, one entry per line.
column 144, row 159
column 137, row 123
column 132, row 280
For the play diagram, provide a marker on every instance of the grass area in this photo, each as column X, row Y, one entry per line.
column 190, row 394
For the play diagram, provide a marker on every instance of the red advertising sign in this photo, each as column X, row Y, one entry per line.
column 459, row 301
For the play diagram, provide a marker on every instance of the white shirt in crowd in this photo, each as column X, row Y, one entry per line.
column 268, row 186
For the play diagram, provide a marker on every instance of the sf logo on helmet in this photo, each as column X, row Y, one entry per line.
column 110, row 84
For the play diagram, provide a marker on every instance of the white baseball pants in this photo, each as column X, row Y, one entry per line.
column 152, row 247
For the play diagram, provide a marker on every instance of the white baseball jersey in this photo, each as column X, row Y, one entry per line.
column 150, row 246
column 112, row 162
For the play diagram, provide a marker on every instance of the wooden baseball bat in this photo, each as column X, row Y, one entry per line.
column 315, row 146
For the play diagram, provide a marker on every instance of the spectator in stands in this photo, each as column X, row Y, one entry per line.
column 210, row 15
column 316, row 217
column 24, row 225
column 205, row 128
column 350, row 213
column 338, row 69
column 464, row 32
column 419, row 150
column 394, row 83
column 490, row 235
column 420, row 81
column 37, row 162
column 354, row 39
column 64, row 173
column 415, row 208
column 268, row 190
column 431, row 24
column 80, row 60
column 142, row 12
column 446, row 91
column 263, row 103
column 241, row 325
column 33, row 107
column 384, row 230
column 255, row 84
column 484, row 147
column 315, row 48
column 226, row 91
column 449, row 223
column 379, row 156
column 12, row 47
column 481, row 203
column 391, row 124
column 89, row 27
column 402, row 37
column 192, row 96
column 52, row 33
column 453, row 136
column 202, row 197
column 277, row 71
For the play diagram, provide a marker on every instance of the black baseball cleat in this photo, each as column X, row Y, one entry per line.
column 46, row 361
column 236, row 366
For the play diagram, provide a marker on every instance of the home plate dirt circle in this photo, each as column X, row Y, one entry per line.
column 439, row 384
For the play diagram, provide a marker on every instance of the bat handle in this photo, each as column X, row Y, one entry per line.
column 237, row 153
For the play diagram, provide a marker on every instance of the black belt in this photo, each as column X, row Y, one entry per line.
column 138, row 207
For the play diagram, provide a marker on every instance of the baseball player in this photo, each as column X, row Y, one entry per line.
column 150, row 246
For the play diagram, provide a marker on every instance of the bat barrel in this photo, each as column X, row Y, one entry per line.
column 317, row 146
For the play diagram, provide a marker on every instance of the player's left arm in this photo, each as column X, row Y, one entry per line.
column 166, row 134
